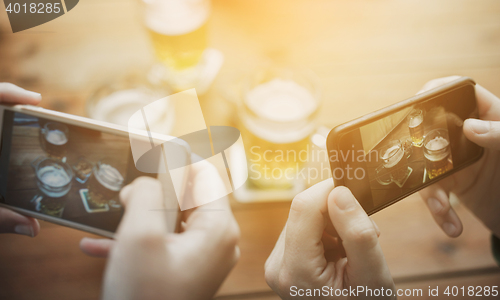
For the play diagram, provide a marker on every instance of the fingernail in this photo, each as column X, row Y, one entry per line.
column 479, row 126
column 449, row 228
column 434, row 205
column 345, row 200
column 24, row 229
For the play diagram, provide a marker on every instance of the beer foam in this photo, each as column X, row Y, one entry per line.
column 119, row 106
column 437, row 143
column 109, row 177
column 176, row 17
column 283, row 108
column 414, row 122
column 281, row 101
column 392, row 156
column 53, row 177
column 56, row 137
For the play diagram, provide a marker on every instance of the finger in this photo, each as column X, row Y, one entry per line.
column 96, row 247
column 12, row 94
column 436, row 197
column 305, row 226
column 488, row 104
column 139, row 220
column 436, row 83
column 484, row 133
column 125, row 193
column 12, row 222
column 358, row 234
column 211, row 226
column 205, row 182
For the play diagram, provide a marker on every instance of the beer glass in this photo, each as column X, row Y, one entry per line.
column 54, row 139
column 277, row 117
column 416, row 127
column 53, row 178
column 437, row 153
column 105, row 183
column 178, row 31
column 116, row 102
column 394, row 164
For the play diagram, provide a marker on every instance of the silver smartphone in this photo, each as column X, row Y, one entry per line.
column 69, row 170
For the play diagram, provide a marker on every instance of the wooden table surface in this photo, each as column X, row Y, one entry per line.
column 367, row 54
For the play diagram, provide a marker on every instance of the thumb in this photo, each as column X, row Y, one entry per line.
column 483, row 133
column 12, row 222
column 365, row 260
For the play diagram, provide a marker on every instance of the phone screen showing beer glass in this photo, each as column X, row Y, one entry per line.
column 64, row 171
column 396, row 155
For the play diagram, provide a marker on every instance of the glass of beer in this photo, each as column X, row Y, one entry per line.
column 416, row 127
column 394, row 162
column 54, row 139
column 105, row 183
column 53, row 178
column 437, row 153
column 277, row 117
column 178, row 31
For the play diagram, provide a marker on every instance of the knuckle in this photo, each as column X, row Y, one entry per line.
column 232, row 236
column 367, row 237
column 284, row 280
column 299, row 202
column 270, row 275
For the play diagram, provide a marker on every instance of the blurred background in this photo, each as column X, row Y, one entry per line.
column 336, row 60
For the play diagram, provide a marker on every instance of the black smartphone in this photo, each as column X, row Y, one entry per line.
column 389, row 154
column 69, row 170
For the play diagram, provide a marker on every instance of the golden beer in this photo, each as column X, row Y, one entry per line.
column 180, row 51
column 416, row 127
column 178, row 30
column 437, row 153
column 395, row 162
column 105, row 183
column 277, row 122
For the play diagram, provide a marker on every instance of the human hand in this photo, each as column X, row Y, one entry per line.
column 145, row 261
column 476, row 186
column 329, row 241
column 10, row 221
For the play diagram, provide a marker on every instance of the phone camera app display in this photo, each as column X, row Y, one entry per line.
column 64, row 171
column 409, row 148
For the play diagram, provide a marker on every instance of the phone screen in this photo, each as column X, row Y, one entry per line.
column 64, row 171
column 391, row 157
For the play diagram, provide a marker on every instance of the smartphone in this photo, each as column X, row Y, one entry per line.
column 69, row 170
column 389, row 154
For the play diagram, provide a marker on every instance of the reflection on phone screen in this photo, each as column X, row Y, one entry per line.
column 393, row 156
column 64, row 171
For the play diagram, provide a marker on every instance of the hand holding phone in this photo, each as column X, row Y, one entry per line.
column 389, row 154
column 144, row 254
column 330, row 245
column 10, row 221
column 478, row 185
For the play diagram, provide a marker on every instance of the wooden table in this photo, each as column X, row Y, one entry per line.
column 367, row 54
